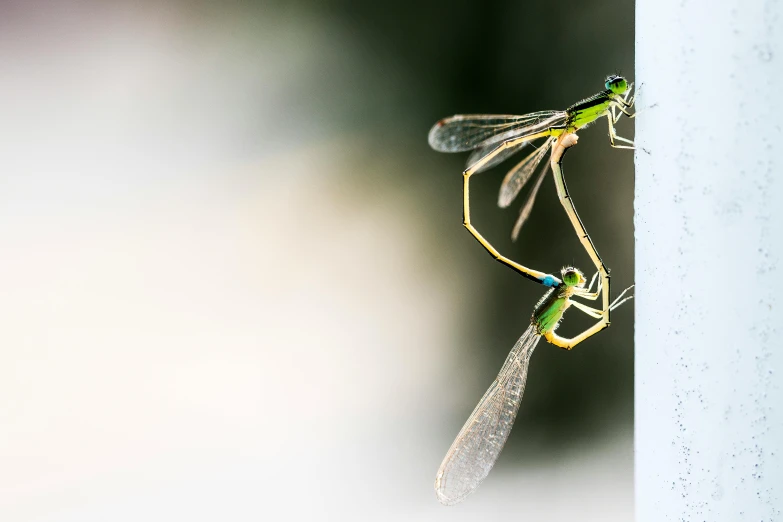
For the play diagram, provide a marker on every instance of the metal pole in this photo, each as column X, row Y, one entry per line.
column 709, row 261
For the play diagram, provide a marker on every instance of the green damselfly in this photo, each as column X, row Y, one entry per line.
column 479, row 443
column 493, row 138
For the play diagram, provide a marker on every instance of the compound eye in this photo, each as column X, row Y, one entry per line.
column 617, row 84
column 572, row 276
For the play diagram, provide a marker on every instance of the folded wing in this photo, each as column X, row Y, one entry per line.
column 476, row 448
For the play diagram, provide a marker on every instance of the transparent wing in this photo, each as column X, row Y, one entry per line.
column 483, row 436
column 528, row 206
column 522, row 171
column 482, row 150
column 556, row 119
column 466, row 132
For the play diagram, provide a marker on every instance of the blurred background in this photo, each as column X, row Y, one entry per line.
column 235, row 281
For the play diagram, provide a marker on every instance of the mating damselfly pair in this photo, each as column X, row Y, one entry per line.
column 492, row 139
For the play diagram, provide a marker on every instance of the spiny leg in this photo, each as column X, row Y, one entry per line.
column 592, row 312
column 592, row 280
column 617, row 302
column 620, row 104
column 566, row 343
column 630, row 115
column 617, row 115
column 626, row 100
column 617, row 105
column 586, row 293
column 613, row 119
column 613, row 136
column 592, row 296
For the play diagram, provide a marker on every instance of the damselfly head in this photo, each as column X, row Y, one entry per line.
column 616, row 84
column 572, row 276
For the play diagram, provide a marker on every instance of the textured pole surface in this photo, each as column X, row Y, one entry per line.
column 709, row 261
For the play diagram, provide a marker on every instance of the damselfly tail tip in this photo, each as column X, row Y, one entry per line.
column 446, row 500
column 517, row 228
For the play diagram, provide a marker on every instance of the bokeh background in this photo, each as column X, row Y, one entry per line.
column 235, row 283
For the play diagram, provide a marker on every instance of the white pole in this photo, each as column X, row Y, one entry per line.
column 709, row 254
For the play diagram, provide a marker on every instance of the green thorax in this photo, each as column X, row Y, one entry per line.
column 550, row 308
column 590, row 109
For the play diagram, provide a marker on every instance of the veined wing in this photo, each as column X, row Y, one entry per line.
column 483, row 436
column 482, row 150
column 532, row 131
column 466, row 132
column 522, row 171
column 528, row 206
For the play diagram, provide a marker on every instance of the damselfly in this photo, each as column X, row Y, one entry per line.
column 493, row 138
column 478, row 444
column 483, row 436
